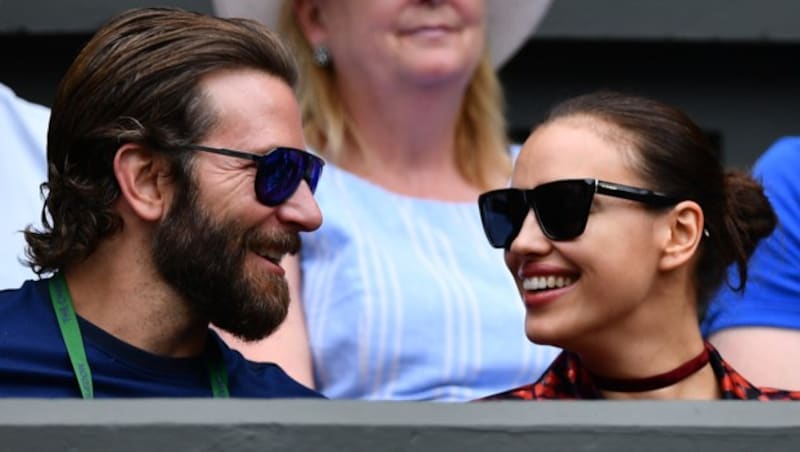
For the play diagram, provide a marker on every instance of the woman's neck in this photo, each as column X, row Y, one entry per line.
column 407, row 134
column 661, row 337
column 700, row 385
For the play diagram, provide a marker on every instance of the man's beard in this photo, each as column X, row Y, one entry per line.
column 204, row 261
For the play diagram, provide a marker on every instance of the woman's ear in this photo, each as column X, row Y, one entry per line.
column 144, row 182
column 685, row 230
column 307, row 14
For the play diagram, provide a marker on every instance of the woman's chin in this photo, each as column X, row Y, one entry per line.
column 430, row 70
column 543, row 336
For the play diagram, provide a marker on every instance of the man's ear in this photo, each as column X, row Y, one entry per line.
column 685, row 230
column 307, row 14
column 144, row 181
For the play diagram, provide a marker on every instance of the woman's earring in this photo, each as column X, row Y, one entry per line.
column 321, row 55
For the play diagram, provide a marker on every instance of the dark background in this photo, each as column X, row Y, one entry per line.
column 733, row 65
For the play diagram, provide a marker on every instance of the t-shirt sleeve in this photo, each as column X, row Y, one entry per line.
column 772, row 294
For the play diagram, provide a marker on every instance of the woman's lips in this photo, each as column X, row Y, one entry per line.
column 539, row 298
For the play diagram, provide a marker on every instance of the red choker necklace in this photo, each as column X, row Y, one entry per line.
column 655, row 382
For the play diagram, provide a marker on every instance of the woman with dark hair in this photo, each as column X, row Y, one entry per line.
column 619, row 225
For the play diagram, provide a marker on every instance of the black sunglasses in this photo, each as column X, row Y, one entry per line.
column 561, row 207
column 278, row 172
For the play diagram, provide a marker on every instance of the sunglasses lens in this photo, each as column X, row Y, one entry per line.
column 502, row 214
column 313, row 171
column 562, row 207
column 280, row 172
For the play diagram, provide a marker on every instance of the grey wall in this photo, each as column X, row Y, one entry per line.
column 74, row 16
column 249, row 425
column 733, row 65
column 750, row 20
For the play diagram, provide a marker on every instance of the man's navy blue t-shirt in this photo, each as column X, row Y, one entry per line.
column 34, row 360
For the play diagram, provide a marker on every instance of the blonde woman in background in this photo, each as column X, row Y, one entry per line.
column 401, row 298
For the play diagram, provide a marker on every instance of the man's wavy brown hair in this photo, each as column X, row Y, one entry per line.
column 136, row 81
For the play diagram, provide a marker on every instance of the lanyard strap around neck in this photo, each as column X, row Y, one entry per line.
column 216, row 371
column 71, row 333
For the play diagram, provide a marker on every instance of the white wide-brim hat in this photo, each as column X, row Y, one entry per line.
column 509, row 22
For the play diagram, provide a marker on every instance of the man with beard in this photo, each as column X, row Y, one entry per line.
column 176, row 183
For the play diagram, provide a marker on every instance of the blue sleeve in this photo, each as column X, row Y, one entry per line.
column 772, row 294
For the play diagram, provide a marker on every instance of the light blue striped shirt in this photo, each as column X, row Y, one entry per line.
column 405, row 299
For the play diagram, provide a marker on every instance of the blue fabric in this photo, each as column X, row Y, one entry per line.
column 772, row 294
column 23, row 167
column 405, row 299
column 34, row 360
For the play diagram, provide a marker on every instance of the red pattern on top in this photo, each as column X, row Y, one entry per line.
column 566, row 378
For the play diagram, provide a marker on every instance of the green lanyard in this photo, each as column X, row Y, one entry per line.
column 70, row 331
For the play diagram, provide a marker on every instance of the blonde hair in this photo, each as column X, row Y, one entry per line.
column 481, row 146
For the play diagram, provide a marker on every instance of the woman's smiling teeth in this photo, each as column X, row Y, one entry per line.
column 546, row 282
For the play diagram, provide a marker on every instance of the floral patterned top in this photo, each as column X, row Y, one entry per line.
column 566, row 378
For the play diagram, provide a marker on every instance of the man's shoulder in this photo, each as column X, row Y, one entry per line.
column 31, row 348
column 24, row 314
column 260, row 380
column 781, row 158
column 24, row 110
column 23, row 298
column 23, row 125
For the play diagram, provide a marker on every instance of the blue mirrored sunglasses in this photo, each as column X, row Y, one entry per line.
column 279, row 171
